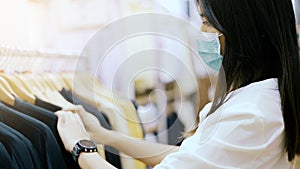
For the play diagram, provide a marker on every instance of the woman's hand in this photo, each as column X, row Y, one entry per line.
column 91, row 124
column 70, row 129
column 150, row 153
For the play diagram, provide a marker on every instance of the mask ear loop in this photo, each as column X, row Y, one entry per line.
column 221, row 48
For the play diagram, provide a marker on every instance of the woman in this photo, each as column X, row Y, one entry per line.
column 254, row 120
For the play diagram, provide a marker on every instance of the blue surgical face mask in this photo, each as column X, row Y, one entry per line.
column 209, row 49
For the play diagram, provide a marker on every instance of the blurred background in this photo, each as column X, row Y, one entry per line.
column 60, row 30
column 50, row 35
column 54, row 36
column 68, row 24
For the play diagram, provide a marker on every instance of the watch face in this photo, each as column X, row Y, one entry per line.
column 86, row 146
column 87, row 143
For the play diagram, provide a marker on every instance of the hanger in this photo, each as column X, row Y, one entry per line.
column 6, row 86
column 91, row 84
column 40, row 80
column 92, row 91
column 6, row 97
column 52, row 93
column 17, row 87
column 57, row 99
column 62, row 81
column 43, row 90
column 108, row 102
column 58, row 83
column 68, row 79
column 44, row 79
column 31, row 85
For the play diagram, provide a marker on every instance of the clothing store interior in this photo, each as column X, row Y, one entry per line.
column 95, row 53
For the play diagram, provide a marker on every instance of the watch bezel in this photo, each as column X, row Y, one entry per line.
column 80, row 147
column 82, row 143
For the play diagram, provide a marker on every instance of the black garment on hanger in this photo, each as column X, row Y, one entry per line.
column 16, row 148
column 5, row 160
column 111, row 154
column 46, row 105
column 50, row 119
column 175, row 128
column 89, row 108
column 38, row 133
column 31, row 149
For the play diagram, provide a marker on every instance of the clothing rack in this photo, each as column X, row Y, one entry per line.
column 36, row 83
column 14, row 59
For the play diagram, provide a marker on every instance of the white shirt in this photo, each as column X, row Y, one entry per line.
column 246, row 132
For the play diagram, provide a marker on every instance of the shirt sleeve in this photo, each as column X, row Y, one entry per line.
column 226, row 139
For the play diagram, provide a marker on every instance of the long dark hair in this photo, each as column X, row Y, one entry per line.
column 260, row 43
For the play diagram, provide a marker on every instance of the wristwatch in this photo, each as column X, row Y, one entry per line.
column 86, row 146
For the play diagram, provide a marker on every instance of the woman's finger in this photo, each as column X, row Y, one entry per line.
column 61, row 117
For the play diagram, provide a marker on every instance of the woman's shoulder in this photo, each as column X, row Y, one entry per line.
column 263, row 88
column 260, row 96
